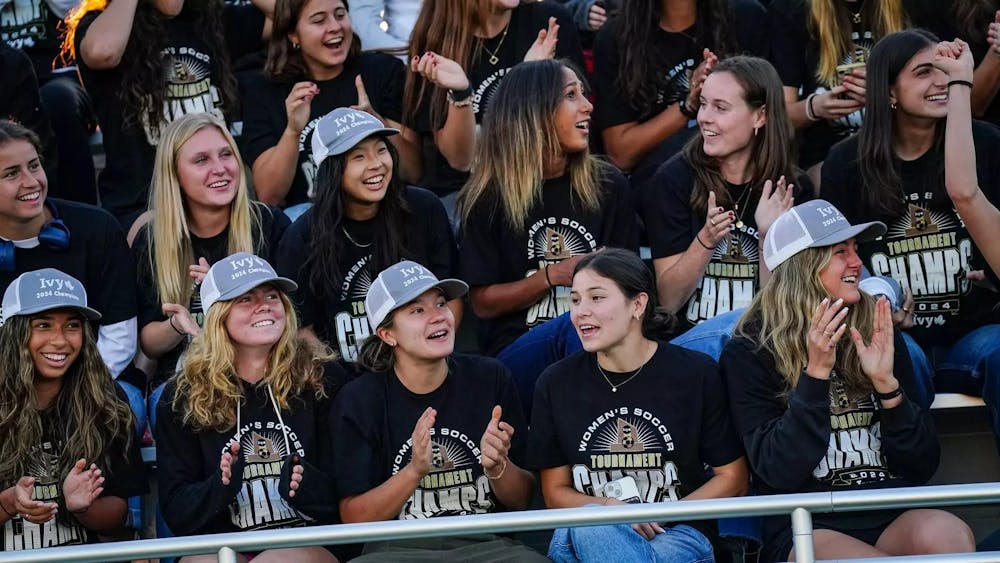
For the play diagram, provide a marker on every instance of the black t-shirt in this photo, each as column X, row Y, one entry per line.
column 265, row 119
column 927, row 249
column 556, row 228
column 343, row 323
column 273, row 224
column 124, row 477
column 30, row 25
column 939, row 18
column 660, row 428
column 492, row 59
column 821, row 437
column 372, row 427
column 98, row 256
column 680, row 56
column 192, row 496
column 191, row 87
column 795, row 55
column 731, row 278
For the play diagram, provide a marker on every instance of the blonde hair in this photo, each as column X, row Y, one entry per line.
column 830, row 25
column 778, row 320
column 209, row 383
column 169, row 244
column 518, row 138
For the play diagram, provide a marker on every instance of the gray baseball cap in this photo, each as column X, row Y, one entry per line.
column 812, row 224
column 237, row 274
column 340, row 130
column 44, row 290
column 400, row 284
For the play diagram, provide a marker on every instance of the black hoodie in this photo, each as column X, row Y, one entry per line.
column 192, row 496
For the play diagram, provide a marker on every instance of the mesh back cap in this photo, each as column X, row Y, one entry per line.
column 237, row 274
column 812, row 224
column 400, row 284
column 340, row 130
column 44, row 290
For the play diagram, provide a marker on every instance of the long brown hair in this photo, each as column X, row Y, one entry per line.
column 771, row 149
column 88, row 415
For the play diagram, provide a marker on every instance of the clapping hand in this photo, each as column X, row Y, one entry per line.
column 495, row 444
column 877, row 356
column 544, row 46
column 82, row 486
column 775, row 199
column 34, row 511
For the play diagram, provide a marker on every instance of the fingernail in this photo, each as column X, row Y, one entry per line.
column 825, row 300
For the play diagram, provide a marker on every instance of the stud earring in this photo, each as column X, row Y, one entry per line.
column 892, row 106
column 295, row 46
column 755, row 131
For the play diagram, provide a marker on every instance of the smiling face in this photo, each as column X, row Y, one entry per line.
column 920, row 90
column 207, row 170
column 422, row 330
column 842, row 273
column 724, row 117
column 55, row 342
column 23, row 184
column 256, row 319
column 323, row 33
column 602, row 314
column 572, row 117
column 367, row 172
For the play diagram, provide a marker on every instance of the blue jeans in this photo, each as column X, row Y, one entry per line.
column 138, row 405
column 677, row 544
column 154, row 398
column 529, row 355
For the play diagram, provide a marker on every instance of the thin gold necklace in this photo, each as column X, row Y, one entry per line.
column 745, row 201
column 350, row 238
column 494, row 59
column 614, row 388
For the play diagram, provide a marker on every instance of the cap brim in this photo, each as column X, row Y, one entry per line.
column 450, row 288
column 861, row 233
column 90, row 314
column 284, row 284
column 351, row 141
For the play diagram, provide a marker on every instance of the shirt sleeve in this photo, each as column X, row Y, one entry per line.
column 479, row 261
column 621, row 225
column 126, row 474
column 719, row 443
column 244, row 25
column 356, row 466
column 838, row 180
column 751, row 27
column 389, row 74
column 788, row 49
column 666, row 209
column 442, row 252
column 513, row 414
column 784, row 442
column 115, row 295
column 117, row 344
column 290, row 263
column 612, row 106
column 188, row 499
column 264, row 119
column 366, row 20
column 544, row 449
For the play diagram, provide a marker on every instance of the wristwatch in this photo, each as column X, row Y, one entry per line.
column 460, row 98
column 685, row 110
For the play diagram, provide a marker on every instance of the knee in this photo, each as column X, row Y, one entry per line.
column 938, row 531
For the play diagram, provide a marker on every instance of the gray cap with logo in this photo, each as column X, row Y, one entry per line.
column 44, row 290
column 812, row 224
column 237, row 274
column 340, row 130
column 400, row 284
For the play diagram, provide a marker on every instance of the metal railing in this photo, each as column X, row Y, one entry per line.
column 800, row 506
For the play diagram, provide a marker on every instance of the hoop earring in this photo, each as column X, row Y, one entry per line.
column 892, row 106
column 295, row 46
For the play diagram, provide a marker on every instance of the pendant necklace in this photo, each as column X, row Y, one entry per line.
column 745, row 202
column 614, row 388
column 494, row 53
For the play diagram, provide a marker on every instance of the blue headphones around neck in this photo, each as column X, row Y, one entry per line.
column 54, row 235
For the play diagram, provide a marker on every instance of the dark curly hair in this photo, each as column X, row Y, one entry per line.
column 143, row 78
column 641, row 74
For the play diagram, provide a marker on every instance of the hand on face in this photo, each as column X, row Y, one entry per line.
column 495, row 443
column 825, row 331
column 83, row 485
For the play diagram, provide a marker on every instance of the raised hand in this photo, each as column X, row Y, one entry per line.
column 298, row 105
column 775, row 199
column 597, row 16
column 495, row 443
column 180, row 318
column 993, row 34
column 544, row 46
column 440, row 71
column 701, row 72
column 876, row 356
column 420, row 454
column 825, row 331
column 954, row 58
column 364, row 104
column 200, row 270
column 903, row 317
column 227, row 462
column 718, row 223
column 82, row 486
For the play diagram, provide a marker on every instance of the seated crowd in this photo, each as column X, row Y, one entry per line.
column 300, row 204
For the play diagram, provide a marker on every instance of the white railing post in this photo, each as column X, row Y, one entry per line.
column 802, row 536
column 227, row 555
